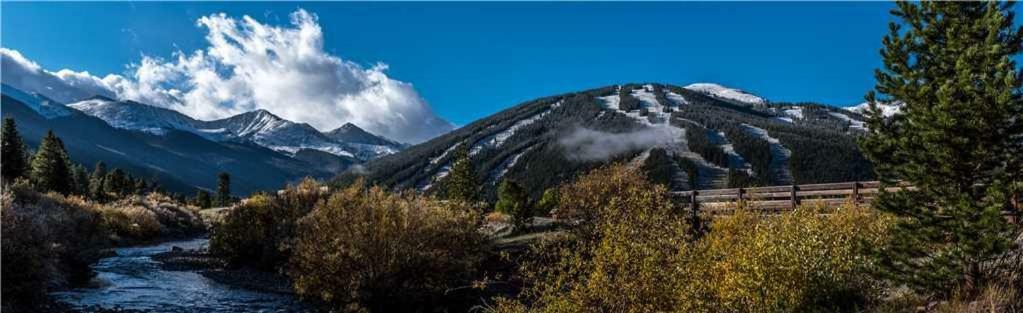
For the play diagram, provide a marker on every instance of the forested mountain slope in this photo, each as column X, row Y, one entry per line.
column 687, row 137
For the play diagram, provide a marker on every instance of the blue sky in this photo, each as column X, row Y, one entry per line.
column 469, row 60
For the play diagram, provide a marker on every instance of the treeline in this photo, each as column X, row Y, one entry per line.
column 50, row 168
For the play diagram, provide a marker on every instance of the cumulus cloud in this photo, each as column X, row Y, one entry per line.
column 585, row 144
column 249, row 65
column 27, row 75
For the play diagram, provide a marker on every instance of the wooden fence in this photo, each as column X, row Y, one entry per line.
column 774, row 199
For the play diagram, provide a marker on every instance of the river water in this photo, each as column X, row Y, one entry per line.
column 133, row 280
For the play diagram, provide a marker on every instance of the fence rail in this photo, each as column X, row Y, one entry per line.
column 774, row 199
column 777, row 198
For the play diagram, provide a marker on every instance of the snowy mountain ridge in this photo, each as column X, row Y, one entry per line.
column 260, row 127
column 725, row 93
column 41, row 104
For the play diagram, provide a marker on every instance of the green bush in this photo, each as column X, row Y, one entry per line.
column 371, row 249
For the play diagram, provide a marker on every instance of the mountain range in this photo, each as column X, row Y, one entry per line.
column 261, row 150
column 693, row 137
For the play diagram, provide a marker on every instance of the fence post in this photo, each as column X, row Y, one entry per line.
column 694, row 210
column 794, row 200
column 856, row 194
column 693, row 206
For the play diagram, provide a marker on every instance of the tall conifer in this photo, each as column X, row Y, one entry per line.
column 50, row 171
column 12, row 152
column 462, row 184
column 223, row 189
column 957, row 140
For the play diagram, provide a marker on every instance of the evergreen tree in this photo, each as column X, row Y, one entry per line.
column 97, row 182
column 956, row 140
column 513, row 200
column 202, row 199
column 81, row 180
column 115, row 183
column 223, row 189
column 50, row 170
column 462, row 184
column 12, row 152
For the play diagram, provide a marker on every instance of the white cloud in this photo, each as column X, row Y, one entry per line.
column 24, row 74
column 248, row 65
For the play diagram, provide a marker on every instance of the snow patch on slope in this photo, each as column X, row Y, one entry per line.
column 49, row 109
column 887, row 109
column 725, row 93
column 794, row 112
column 498, row 139
column 779, row 166
column 855, row 124
column 677, row 98
column 508, row 163
column 447, row 151
column 735, row 160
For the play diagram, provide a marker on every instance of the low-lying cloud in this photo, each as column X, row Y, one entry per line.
column 583, row 144
column 249, row 65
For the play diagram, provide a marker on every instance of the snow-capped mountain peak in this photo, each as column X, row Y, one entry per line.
column 354, row 134
column 725, row 93
column 137, row 116
column 260, row 127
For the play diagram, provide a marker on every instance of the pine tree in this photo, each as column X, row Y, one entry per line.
column 956, row 140
column 223, row 189
column 114, row 183
column 50, row 170
column 97, row 182
column 202, row 199
column 12, row 152
column 462, row 184
column 81, row 180
column 513, row 200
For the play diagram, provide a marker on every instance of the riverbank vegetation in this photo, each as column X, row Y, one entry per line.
column 50, row 240
column 56, row 223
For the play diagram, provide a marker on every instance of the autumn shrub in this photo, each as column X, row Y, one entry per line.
column 140, row 218
column 260, row 230
column 811, row 259
column 369, row 249
column 631, row 252
column 47, row 240
column 621, row 257
column 131, row 222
